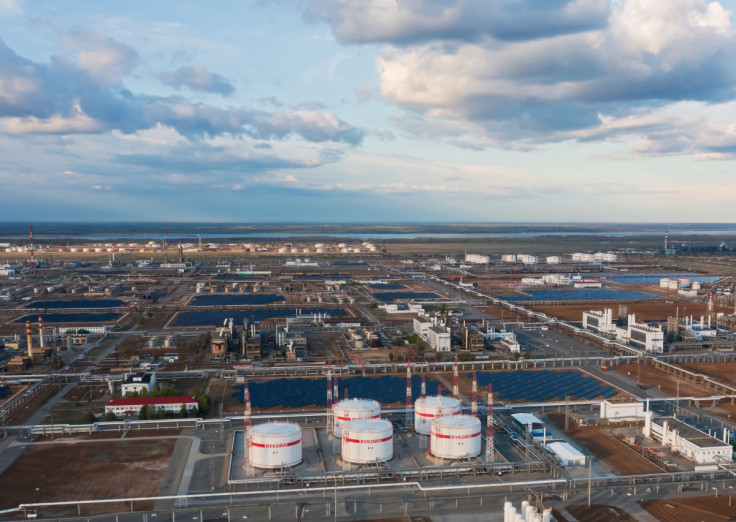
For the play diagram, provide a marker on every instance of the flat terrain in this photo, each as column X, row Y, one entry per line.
column 652, row 310
column 612, row 452
column 651, row 376
column 599, row 513
column 91, row 470
column 721, row 371
column 705, row 509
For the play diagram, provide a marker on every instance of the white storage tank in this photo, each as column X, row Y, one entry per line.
column 696, row 285
column 365, row 441
column 610, row 258
column 275, row 445
column 508, row 258
column 553, row 260
column 353, row 409
column 673, row 284
column 664, row 282
column 426, row 409
column 455, row 437
column 684, row 282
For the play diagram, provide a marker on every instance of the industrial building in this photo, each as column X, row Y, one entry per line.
column 132, row 406
column 690, row 442
column 439, row 339
column 641, row 335
column 138, row 382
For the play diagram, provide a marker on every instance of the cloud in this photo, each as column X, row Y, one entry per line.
column 11, row 7
column 85, row 96
column 416, row 21
column 518, row 73
column 105, row 59
column 198, row 78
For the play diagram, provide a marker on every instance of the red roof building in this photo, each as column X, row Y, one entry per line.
column 130, row 406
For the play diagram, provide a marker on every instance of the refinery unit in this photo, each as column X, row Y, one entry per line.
column 159, row 337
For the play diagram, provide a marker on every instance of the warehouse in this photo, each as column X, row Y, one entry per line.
column 568, row 455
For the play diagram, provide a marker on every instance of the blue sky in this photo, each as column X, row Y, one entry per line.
column 368, row 110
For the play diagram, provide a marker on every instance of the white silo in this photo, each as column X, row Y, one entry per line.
column 696, row 285
column 664, row 282
column 684, row 282
column 426, row 409
column 275, row 445
column 553, row 260
column 455, row 437
column 353, row 409
column 365, row 441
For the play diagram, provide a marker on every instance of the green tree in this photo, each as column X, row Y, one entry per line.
column 145, row 413
column 527, row 355
column 516, row 355
column 110, row 417
column 89, row 417
column 391, row 356
column 183, row 413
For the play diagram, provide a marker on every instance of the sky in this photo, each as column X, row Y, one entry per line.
column 368, row 110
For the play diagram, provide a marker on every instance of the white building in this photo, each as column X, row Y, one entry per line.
column 567, row 454
column 692, row 443
column 510, row 343
column 622, row 411
column 477, row 259
column 650, row 338
column 138, row 382
column 439, row 339
column 640, row 335
column 422, row 326
column 601, row 322
column 129, row 406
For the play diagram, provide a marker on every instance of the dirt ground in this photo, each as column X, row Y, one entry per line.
column 600, row 513
column 53, row 473
column 654, row 310
column 722, row 371
column 705, row 509
column 606, row 448
column 666, row 382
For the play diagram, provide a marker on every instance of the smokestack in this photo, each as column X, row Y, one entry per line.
column 455, row 384
column 424, row 386
column 40, row 332
column 30, row 338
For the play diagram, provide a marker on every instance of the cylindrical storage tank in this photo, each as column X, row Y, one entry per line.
column 673, row 284
column 684, row 282
column 353, row 409
column 577, row 256
column 365, row 441
column 553, row 260
column 664, row 282
column 455, row 437
column 696, row 285
column 426, row 409
column 275, row 445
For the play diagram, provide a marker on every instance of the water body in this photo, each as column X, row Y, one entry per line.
column 89, row 303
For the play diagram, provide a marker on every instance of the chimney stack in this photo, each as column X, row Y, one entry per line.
column 30, row 338
column 40, row 332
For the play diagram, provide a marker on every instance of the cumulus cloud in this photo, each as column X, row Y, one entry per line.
column 416, row 21
column 198, row 78
column 86, row 95
column 517, row 73
column 105, row 59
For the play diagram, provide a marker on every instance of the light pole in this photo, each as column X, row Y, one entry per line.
column 590, row 474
